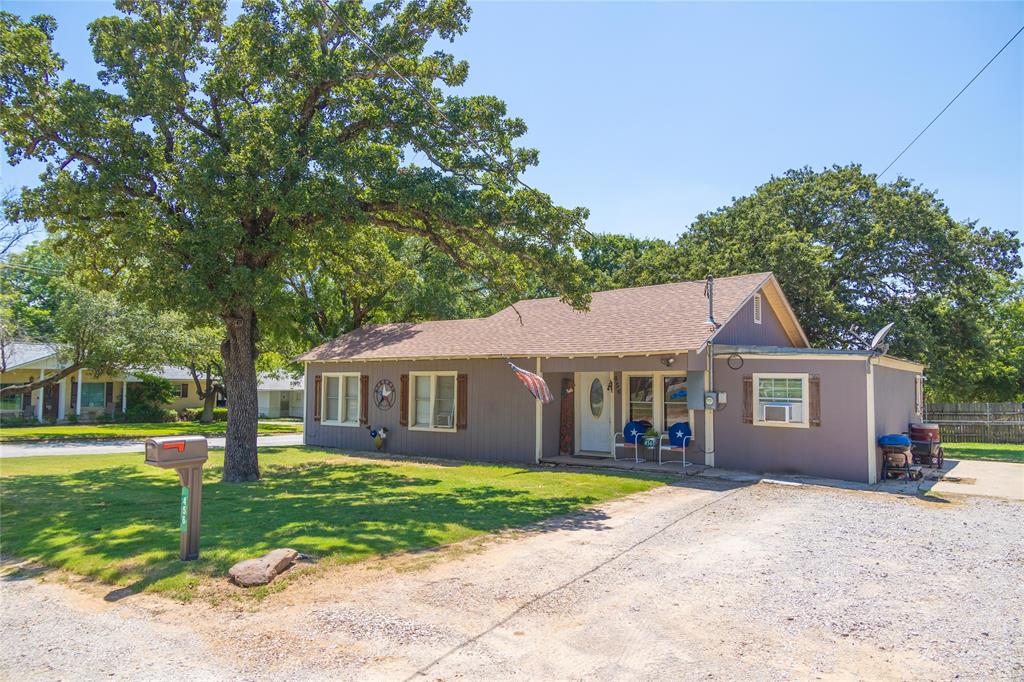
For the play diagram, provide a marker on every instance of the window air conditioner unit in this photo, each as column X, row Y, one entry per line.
column 776, row 412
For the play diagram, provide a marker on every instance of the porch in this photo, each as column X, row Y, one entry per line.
column 627, row 464
column 595, row 397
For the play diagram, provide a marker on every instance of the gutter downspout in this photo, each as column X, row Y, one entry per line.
column 709, row 375
column 538, row 439
column 872, row 447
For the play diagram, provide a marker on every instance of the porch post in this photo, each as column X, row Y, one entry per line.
column 39, row 401
column 538, row 441
column 124, row 395
column 709, row 417
column 78, row 395
column 62, row 398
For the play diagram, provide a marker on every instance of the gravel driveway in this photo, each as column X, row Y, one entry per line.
column 697, row 581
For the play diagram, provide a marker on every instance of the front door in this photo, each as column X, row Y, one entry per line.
column 594, row 411
column 51, row 397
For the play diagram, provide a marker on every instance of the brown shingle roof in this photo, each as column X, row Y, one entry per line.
column 660, row 318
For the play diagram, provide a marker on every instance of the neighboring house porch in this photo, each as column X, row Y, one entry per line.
column 82, row 395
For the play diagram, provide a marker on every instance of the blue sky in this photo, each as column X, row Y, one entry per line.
column 651, row 113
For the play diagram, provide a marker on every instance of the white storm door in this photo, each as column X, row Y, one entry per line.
column 594, row 410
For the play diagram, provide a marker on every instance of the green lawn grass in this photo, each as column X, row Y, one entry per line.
column 101, row 431
column 990, row 451
column 113, row 518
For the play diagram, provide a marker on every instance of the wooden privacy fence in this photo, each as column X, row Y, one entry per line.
column 978, row 422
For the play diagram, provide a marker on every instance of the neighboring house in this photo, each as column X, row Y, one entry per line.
column 444, row 389
column 186, row 397
column 82, row 394
column 106, row 396
column 280, row 397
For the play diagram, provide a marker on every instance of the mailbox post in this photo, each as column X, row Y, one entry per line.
column 186, row 455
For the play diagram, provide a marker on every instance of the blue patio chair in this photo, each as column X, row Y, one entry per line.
column 675, row 439
column 631, row 438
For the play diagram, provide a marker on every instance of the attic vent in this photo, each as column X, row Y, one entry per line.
column 757, row 308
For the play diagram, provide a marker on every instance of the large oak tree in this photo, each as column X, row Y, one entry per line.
column 220, row 156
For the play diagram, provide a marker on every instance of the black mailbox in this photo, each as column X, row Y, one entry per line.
column 186, row 455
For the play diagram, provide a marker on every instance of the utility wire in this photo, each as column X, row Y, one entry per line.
column 898, row 156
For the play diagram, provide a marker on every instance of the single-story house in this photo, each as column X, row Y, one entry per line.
column 280, row 397
column 83, row 394
column 105, row 396
column 754, row 393
column 277, row 396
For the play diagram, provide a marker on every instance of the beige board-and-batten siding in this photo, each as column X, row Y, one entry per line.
column 499, row 418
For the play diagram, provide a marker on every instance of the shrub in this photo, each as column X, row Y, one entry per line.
column 149, row 413
column 194, row 414
column 19, row 421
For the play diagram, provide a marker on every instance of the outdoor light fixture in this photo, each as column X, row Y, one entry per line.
column 668, row 362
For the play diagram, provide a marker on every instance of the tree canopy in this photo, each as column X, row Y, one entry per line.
column 219, row 157
column 853, row 254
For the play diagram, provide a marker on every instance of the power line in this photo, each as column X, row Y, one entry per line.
column 898, row 156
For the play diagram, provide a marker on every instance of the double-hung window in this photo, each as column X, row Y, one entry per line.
column 341, row 399
column 657, row 397
column 780, row 399
column 432, row 401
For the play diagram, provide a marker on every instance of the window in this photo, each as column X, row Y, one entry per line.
column 757, row 308
column 657, row 397
column 10, row 403
column 94, row 394
column 183, row 390
column 432, row 401
column 674, row 407
column 341, row 399
column 596, row 398
column 780, row 399
column 641, row 398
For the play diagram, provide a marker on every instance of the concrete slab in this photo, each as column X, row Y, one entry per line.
column 984, row 479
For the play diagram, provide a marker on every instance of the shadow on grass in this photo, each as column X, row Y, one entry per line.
column 119, row 524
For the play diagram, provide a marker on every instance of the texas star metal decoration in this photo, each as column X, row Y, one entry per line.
column 384, row 394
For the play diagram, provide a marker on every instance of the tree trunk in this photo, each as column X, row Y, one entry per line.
column 239, row 352
column 209, row 402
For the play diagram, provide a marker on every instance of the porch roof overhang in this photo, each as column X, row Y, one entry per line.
column 785, row 353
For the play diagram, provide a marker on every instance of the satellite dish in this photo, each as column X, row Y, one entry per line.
column 876, row 342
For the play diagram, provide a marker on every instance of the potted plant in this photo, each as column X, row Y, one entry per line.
column 651, row 437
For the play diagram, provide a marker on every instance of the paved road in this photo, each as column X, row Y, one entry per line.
column 108, row 447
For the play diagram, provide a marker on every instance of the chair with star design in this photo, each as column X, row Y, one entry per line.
column 675, row 439
column 631, row 438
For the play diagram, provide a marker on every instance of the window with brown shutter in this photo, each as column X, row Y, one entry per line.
column 403, row 400
column 461, row 402
column 108, row 394
column 364, row 398
column 748, row 399
column 74, row 394
column 316, row 398
column 184, row 390
column 814, row 399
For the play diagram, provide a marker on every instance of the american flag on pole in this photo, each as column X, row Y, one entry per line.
column 535, row 384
